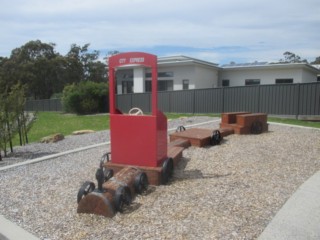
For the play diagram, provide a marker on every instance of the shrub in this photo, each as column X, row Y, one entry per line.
column 85, row 98
column 13, row 119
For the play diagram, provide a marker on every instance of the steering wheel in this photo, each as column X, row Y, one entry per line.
column 135, row 111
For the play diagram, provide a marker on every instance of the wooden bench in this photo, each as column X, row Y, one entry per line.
column 245, row 123
column 226, row 131
column 248, row 119
column 231, row 117
column 199, row 137
column 179, row 142
column 252, row 123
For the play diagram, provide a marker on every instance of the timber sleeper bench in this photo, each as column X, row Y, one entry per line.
column 245, row 123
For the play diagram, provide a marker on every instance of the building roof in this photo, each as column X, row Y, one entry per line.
column 266, row 65
column 316, row 66
column 182, row 60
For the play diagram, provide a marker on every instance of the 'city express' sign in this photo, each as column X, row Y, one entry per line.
column 134, row 60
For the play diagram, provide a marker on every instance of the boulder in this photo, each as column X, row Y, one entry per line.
column 52, row 138
column 82, row 132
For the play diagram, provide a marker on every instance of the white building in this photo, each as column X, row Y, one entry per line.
column 181, row 73
column 174, row 73
column 264, row 73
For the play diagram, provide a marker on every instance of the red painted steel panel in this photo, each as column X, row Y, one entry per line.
column 137, row 140
column 162, row 137
column 133, row 59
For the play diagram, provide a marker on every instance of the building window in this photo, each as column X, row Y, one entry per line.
column 127, row 76
column 225, row 83
column 284, row 80
column 163, row 85
column 160, row 74
column 185, row 84
column 318, row 78
column 249, row 82
column 127, row 87
column 165, row 74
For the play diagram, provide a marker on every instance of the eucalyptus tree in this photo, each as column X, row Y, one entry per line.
column 39, row 66
column 290, row 57
column 316, row 61
column 83, row 65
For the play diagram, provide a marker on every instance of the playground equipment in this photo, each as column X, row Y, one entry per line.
column 112, row 194
column 139, row 151
column 136, row 139
column 232, row 122
column 245, row 122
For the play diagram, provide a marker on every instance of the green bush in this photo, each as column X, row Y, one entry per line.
column 85, row 98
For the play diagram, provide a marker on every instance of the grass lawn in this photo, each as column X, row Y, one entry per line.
column 295, row 122
column 48, row 123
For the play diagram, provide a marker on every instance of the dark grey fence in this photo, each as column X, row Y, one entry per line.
column 44, row 105
column 284, row 99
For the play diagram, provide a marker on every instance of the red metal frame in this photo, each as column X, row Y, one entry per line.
column 137, row 140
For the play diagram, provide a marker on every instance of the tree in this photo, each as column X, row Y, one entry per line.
column 316, row 61
column 290, row 57
column 13, row 119
column 37, row 65
column 97, row 72
column 46, row 72
column 84, row 66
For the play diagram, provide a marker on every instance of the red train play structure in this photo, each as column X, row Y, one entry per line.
column 140, row 153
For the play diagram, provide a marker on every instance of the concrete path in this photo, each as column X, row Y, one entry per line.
column 299, row 218
column 10, row 231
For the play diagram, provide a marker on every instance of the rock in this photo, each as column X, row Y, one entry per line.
column 52, row 138
column 82, row 132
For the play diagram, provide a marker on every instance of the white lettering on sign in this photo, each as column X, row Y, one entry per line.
column 122, row 60
column 131, row 60
column 137, row 60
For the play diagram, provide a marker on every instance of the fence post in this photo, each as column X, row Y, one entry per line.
column 259, row 93
column 222, row 107
column 298, row 102
column 170, row 100
column 194, row 101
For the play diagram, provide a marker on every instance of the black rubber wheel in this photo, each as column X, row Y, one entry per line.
column 105, row 158
column 167, row 170
column 215, row 138
column 141, row 183
column 180, row 129
column 86, row 188
column 122, row 197
column 256, row 127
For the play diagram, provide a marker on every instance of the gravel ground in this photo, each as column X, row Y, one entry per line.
column 230, row 191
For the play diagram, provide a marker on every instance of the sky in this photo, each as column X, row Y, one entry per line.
column 225, row 31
